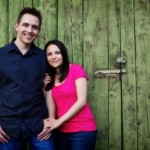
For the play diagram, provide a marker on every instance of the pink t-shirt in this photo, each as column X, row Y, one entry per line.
column 65, row 96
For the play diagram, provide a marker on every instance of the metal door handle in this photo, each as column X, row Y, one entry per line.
column 103, row 73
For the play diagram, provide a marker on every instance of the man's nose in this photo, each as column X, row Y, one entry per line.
column 29, row 29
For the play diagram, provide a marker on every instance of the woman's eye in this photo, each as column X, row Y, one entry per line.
column 57, row 53
column 49, row 54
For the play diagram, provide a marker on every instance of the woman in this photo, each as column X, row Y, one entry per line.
column 67, row 101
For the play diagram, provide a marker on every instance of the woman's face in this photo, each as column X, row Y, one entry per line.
column 54, row 56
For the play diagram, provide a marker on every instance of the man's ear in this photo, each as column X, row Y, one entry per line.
column 16, row 26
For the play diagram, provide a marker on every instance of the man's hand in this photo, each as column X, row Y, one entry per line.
column 3, row 136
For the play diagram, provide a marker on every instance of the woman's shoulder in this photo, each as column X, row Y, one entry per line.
column 75, row 66
column 77, row 70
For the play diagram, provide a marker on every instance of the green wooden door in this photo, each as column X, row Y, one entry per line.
column 96, row 33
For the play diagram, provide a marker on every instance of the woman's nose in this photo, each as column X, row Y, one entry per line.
column 53, row 56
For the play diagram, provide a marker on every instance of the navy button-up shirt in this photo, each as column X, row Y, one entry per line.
column 21, row 95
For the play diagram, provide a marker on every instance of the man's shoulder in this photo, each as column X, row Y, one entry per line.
column 4, row 48
column 38, row 50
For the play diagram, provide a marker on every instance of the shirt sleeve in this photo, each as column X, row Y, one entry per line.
column 79, row 72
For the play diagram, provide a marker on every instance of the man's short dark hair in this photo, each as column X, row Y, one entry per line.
column 32, row 11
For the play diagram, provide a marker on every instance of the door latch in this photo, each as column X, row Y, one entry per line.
column 106, row 73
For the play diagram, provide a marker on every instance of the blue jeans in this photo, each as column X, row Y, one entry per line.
column 75, row 141
column 33, row 143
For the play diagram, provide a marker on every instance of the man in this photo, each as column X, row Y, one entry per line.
column 22, row 102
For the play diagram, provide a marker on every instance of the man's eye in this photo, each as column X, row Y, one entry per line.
column 35, row 27
column 25, row 24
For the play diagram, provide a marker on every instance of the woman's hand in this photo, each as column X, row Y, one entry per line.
column 49, row 125
column 45, row 133
column 46, row 80
column 52, row 123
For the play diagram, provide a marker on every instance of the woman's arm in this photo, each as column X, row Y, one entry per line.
column 50, row 104
column 46, row 132
column 81, row 89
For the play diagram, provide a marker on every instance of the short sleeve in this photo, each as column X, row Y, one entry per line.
column 78, row 72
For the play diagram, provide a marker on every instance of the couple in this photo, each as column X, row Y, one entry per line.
column 25, row 115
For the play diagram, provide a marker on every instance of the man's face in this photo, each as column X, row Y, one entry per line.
column 27, row 29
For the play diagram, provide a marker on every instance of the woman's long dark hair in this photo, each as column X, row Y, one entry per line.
column 65, row 65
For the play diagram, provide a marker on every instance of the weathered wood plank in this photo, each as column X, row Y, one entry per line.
column 48, row 10
column 4, row 22
column 26, row 3
column 142, row 23
column 115, row 101
column 95, row 43
column 70, row 27
column 64, row 25
column 129, row 79
column 76, row 29
column 14, row 9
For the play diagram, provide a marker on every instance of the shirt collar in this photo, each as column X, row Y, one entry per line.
column 12, row 47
